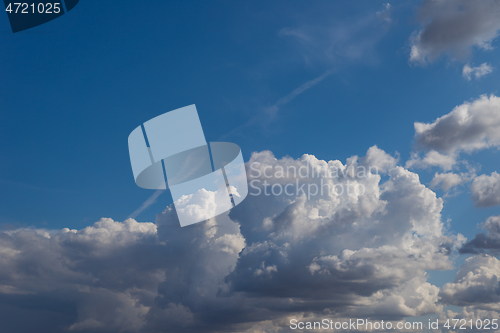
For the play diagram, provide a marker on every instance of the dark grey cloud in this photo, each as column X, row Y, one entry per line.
column 453, row 27
column 488, row 242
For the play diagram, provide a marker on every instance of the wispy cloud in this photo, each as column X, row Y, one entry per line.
column 346, row 41
column 478, row 71
column 270, row 112
column 273, row 110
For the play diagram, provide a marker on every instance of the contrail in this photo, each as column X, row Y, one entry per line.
column 297, row 91
column 271, row 111
column 145, row 205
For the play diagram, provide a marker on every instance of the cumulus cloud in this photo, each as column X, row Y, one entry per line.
column 359, row 248
column 110, row 277
column 477, row 283
column 446, row 180
column 470, row 126
column 453, row 28
column 478, row 72
column 488, row 242
column 343, row 253
column 430, row 159
column 376, row 157
column 89, row 279
column 486, row 190
column 449, row 180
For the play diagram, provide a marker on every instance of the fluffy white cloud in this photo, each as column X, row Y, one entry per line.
column 453, row 27
column 449, row 180
column 477, row 283
column 333, row 250
column 430, row 159
column 378, row 158
column 468, row 127
column 486, row 190
column 492, row 225
column 446, row 180
column 478, row 71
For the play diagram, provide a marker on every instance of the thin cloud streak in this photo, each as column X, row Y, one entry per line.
column 270, row 112
column 296, row 92
column 145, row 205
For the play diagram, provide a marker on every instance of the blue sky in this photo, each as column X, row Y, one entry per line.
column 74, row 88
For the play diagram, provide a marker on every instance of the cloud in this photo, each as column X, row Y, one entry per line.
column 453, row 28
column 378, row 158
column 477, row 283
column 325, row 46
column 107, row 277
column 446, row 180
column 346, row 253
column 340, row 42
column 468, row 127
column 478, row 72
column 469, row 314
column 363, row 251
column 486, row 190
column 485, row 243
column 90, row 278
column 385, row 13
column 430, row 159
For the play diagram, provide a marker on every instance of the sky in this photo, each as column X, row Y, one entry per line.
column 409, row 87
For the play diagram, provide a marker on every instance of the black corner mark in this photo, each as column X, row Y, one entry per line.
column 70, row 4
column 29, row 14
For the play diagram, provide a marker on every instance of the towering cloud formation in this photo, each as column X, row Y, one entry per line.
column 350, row 253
